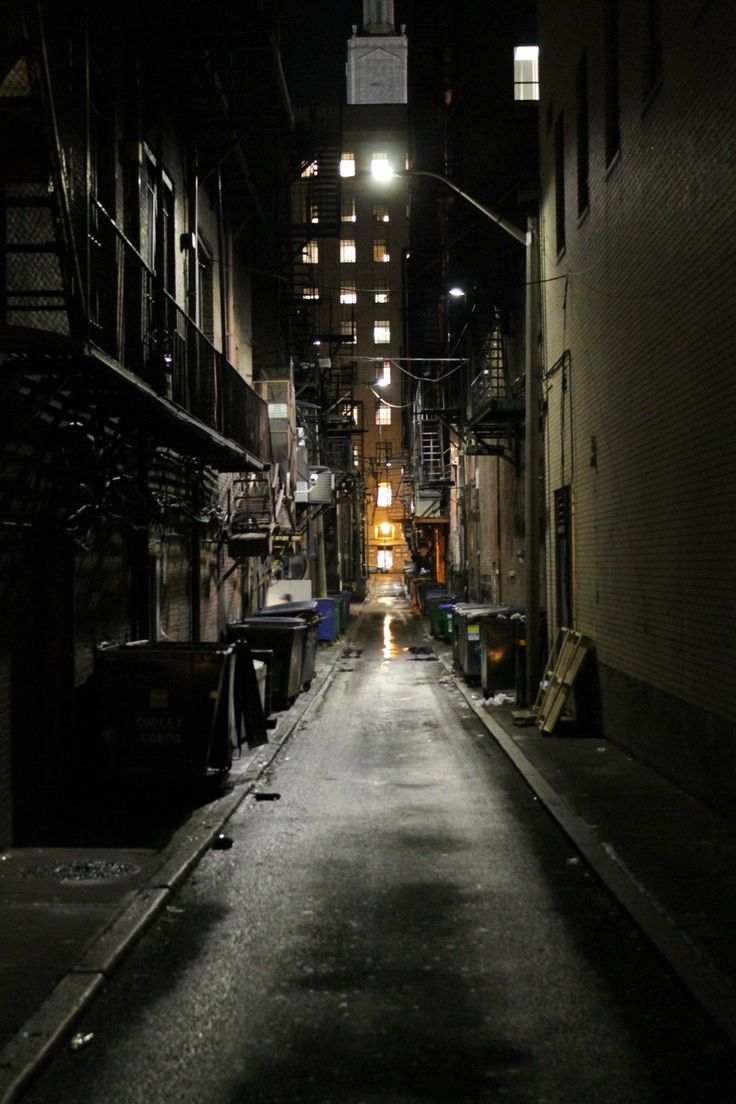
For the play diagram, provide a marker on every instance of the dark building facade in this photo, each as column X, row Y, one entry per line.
column 134, row 213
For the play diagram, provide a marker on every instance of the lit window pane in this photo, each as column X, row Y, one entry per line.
column 386, row 373
column 526, row 72
column 347, row 330
column 380, row 293
column 382, row 332
column 380, row 250
column 348, row 209
column 310, row 253
column 311, row 169
column 380, row 167
column 348, row 292
column 347, row 251
column 380, row 212
column 383, row 496
column 383, row 414
column 310, row 293
column 385, row 558
column 347, row 164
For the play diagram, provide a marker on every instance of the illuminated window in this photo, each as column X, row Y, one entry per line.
column 347, row 164
column 526, row 72
column 380, row 293
column 385, row 558
column 310, row 293
column 380, row 212
column 347, row 330
column 347, row 213
column 310, row 169
column 380, row 167
column 383, row 494
column 348, row 293
column 380, row 250
column 383, row 414
column 310, row 252
column 382, row 331
column 385, row 377
column 347, row 251
column 313, row 213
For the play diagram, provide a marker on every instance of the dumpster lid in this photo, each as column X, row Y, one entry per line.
column 287, row 609
column 257, row 621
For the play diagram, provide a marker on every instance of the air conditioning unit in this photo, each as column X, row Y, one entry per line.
column 320, row 487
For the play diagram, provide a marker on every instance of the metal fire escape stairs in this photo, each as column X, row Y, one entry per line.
column 41, row 297
column 495, row 408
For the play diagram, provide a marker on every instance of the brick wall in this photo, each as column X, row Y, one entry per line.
column 641, row 420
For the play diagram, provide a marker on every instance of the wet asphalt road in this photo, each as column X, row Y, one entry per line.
column 404, row 924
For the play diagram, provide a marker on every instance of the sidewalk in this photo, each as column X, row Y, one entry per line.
column 69, row 915
column 668, row 859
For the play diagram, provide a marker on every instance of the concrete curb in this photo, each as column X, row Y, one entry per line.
column 51, row 1025
column 704, row 983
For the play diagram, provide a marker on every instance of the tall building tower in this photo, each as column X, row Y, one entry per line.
column 351, row 235
column 373, row 242
column 377, row 57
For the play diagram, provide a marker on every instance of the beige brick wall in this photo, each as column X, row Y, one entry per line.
column 644, row 299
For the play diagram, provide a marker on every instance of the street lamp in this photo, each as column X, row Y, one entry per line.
column 529, row 239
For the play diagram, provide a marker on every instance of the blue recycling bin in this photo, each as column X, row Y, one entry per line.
column 329, row 625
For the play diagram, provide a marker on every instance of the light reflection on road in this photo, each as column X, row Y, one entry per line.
column 389, row 648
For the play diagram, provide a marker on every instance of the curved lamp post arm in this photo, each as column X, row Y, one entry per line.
column 520, row 235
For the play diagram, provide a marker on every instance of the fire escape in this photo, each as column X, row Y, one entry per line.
column 494, row 413
column 90, row 332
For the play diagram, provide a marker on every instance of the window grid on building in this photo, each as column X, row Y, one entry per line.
column 383, row 414
column 380, row 250
column 381, row 293
column 526, row 72
column 379, row 164
column 382, row 331
column 310, row 292
column 310, row 252
column 347, row 212
column 347, row 164
column 380, row 212
column 348, row 291
column 384, row 494
column 347, row 330
column 347, row 250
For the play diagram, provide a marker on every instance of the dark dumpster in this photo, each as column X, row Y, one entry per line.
column 466, row 622
column 167, row 709
column 309, row 614
column 501, row 637
column 284, row 636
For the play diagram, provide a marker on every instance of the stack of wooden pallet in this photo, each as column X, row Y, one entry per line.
column 566, row 659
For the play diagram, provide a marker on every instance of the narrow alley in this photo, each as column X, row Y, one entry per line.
column 398, row 920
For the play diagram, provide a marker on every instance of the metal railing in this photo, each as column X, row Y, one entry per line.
column 495, row 383
column 134, row 320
